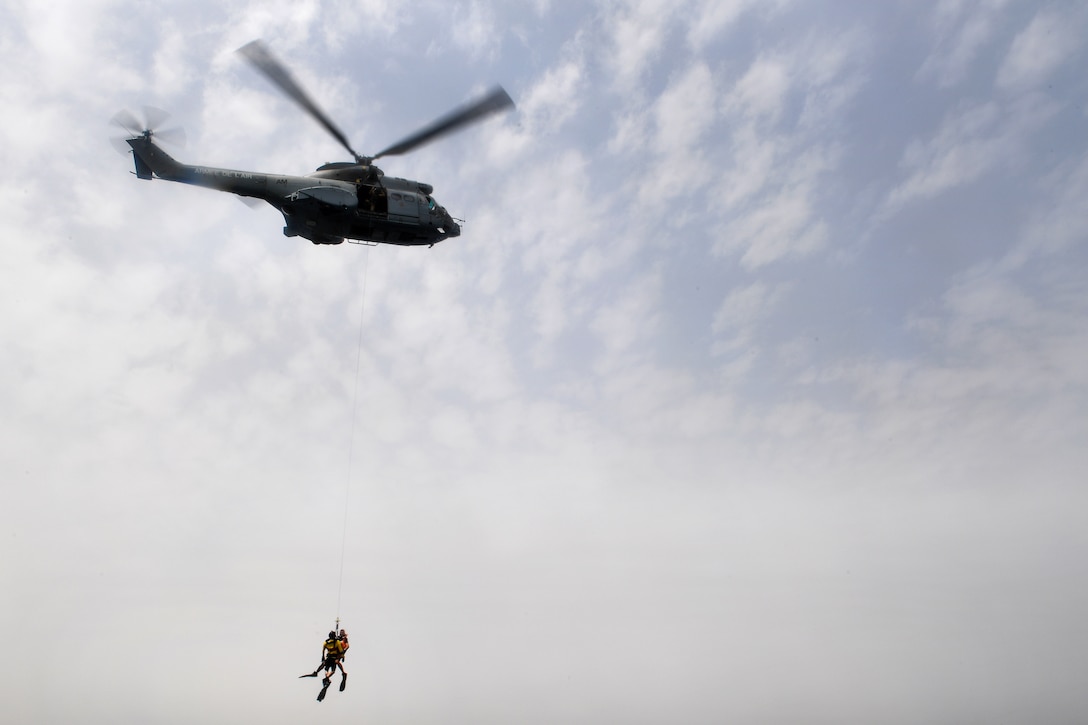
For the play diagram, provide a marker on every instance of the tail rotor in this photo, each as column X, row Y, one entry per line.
column 152, row 125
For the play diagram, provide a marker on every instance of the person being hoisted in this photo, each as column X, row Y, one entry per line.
column 333, row 652
column 343, row 639
column 332, row 655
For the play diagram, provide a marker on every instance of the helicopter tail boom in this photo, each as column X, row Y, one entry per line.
column 278, row 190
column 153, row 162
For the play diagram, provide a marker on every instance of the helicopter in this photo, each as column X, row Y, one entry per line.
column 343, row 200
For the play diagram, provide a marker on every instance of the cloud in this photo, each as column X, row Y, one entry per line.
column 627, row 320
column 963, row 31
column 713, row 17
column 973, row 140
column 685, row 110
column 761, row 92
column 543, row 238
column 474, row 30
column 774, row 216
column 682, row 116
column 345, row 22
column 285, row 26
column 172, row 74
column 740, row 312
column 637, row 31
column 782, row 114
column 595, row 437
column 553, row 99
column 1060, row 222
column 556, row 97
column 1050, row 40
column 965, row 147
column 780, row 227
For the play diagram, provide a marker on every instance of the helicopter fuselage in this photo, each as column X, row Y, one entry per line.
column 340, row 201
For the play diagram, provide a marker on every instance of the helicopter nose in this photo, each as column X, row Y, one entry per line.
column 453, row 229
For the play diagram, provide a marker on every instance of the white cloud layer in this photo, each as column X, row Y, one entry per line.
column 753, row 389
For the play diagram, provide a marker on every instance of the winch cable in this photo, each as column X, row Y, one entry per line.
column 351, row 442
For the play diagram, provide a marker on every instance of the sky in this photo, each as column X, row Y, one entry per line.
column 753, row 390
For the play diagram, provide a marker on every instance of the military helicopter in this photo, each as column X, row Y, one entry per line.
column 345, row 200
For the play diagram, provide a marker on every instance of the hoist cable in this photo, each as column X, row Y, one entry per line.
column 351, row 441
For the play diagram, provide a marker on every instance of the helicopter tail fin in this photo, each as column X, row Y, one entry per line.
column 152, row 161
column 143, row 171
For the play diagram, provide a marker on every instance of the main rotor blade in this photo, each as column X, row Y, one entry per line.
column 496, row 100
column 263, row 60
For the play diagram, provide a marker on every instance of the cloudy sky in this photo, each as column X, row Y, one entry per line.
column 753, row 391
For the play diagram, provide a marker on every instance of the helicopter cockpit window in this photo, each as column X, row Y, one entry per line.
column 431, row 203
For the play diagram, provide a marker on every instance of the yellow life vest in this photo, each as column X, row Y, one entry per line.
column 333, row 648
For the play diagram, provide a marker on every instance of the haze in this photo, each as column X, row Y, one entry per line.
column 753, row 391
